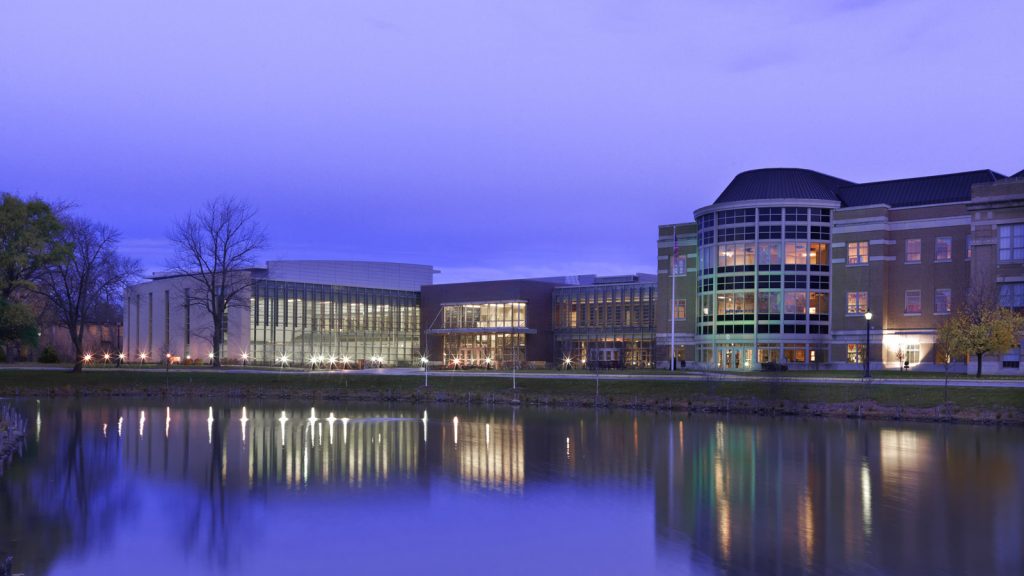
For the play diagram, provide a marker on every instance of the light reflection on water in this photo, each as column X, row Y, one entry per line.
column 468, row 490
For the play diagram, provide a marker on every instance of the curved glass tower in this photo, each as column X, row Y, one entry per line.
column 763, row 278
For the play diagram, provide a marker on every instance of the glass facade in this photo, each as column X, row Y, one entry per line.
column 610, row 324
column 484, row 334
column 299, row 321
column 764, row 286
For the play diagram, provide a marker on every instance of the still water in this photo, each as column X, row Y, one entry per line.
column 293, row 488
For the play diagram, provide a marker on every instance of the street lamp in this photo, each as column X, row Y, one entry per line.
column 245, row 356
column 867, row 344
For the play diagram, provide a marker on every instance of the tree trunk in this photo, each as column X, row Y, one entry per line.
column 218, row 336
column 979, row 365
column 76, row 341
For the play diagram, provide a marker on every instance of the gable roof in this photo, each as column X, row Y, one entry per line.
column 778, row 183
column 938, row 189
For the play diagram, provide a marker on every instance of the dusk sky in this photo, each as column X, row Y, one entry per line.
column 490, row 139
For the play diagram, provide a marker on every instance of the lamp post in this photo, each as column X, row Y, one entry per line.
column 867, row 344
column 425, row 360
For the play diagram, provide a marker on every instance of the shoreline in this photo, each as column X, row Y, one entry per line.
column 973, row 405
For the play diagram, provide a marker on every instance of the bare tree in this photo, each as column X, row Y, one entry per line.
column 214, row 250
column 91, row 278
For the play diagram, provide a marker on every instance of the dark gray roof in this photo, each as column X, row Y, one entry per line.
column 778, row 183
column 916, row 191
column 1018, row 174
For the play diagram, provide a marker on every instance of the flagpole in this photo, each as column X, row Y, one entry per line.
column 672, row 304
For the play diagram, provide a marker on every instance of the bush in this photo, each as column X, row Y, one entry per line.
column 3, row 353
column 48, row 356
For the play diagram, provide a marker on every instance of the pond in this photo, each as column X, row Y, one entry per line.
column 139, row 486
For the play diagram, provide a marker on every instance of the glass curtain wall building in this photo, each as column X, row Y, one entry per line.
column 484, row 334
column 608, row 324
column 297, row 321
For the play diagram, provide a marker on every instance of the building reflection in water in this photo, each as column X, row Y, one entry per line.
column 742, row 495
column 764, row 496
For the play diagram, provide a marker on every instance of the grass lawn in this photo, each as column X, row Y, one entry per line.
column 639, row 391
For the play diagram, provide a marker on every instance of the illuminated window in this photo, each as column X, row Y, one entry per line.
column 680, row 309
column 854, row 353
column 796, row 253
column 913, row 354
column 819, row 254
column 913, row 250
column 943, row 249
column 970, row 245
column 912, row 302
column 943, row 301
column 1011, row 242
column 856, row 302
column 857, row 253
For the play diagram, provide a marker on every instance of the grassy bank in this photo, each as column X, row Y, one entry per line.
column 973, row 404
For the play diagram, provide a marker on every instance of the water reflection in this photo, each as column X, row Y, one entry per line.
column 728, row 495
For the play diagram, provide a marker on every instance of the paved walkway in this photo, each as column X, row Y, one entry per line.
column 682, row 376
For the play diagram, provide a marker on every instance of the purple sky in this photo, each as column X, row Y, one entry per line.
column 491, row 139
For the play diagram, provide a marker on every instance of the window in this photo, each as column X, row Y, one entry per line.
column 913, row 354
column 795, row 281
column 820, row 215
column 794, row 353
column 819, row 303
column 1011, row 295
column 733, row 234
column 943, row 249
column 795, row 303
column 1012, row 358
column 1011, row 242
column 736, row 303
column 707, row 259
column 854, row 353
column 768, row 253
column 736, row 216
column 769, row 232
column 736, row 254
column 819, row 254
column 796, row 253
column 856, row 302
column 970, row 245
column 771, row 214
column 678, row 265
column 768, row 302
column 795, row 232
column 680, row 309
column 943, row 301
column 736, row 282
column 913, row 250
column 857, row 253
column 912, row 302
column 797, row 214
